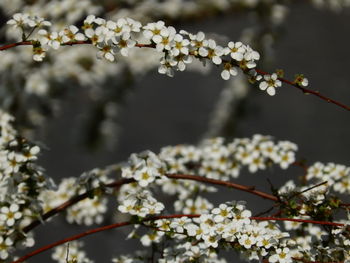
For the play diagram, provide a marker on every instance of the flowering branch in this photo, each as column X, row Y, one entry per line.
column 93, row 231
column 182, row 170
column 227, row 63
column 126, row 223
column 121, row 182
column 71, row 202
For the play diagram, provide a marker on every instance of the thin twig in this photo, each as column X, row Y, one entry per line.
column 308, row 91
column 308, row 189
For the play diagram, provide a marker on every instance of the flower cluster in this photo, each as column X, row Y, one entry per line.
column 213, row 158
column 270, row 83
column 140, row 203
column 177, row 49
column 78, row 66
column 228, row 225
column 87, row 211
column 216, row 159
column 21, row 181
column 337, row 176
column 316, row 201
column 208, row 229
column 24, row 20
column 144, row 168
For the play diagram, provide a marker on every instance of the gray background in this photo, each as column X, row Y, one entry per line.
column 166, row 111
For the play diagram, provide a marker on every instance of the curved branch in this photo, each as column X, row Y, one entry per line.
column 309, row 91
column 126, row 223
column 248, row 189
column 304, row 90
column 71, row 202
column 271, row 218
column 94, row 231
column 121, row 182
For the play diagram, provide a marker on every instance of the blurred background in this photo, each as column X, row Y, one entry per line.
column 86, row 123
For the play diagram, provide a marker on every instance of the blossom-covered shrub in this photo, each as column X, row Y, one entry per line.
column 56, row 42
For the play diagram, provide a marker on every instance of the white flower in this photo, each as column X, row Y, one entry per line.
column 52, row 39
column 221, row 213
column 194, row 230
column 211, row 240
column 118, row 28
column 281, row 256
column 179, row 224
column 39, row 53
column 89, row 19
column 20, row 20
column 96, row 36
column 213, row 52
column 167, row 66
column 127, row 206
column 106, row 51
column 256, row 163
column 135, row 26
column 198, row 40
column 124, row 43
column 5, row 246
column 9, row 214
column 39, row 21
column 71, row 34
column 250, row 54
column 236, row 50
column 286, row 158
column 247, row 240
column 152, row 237
column 165, row 38
column 207, row 224
column 229, row 70
column 31, row 154
column 182, row 60
column 153, row 29
column 200, row 205
column 15, row 160
column 265, row 241
column 140, row 203
column 270, row 83
column 180, row 45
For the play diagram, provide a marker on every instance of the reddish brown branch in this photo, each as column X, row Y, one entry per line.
column 304, row 90
column 72, row 238
column 308, row 91
column 306, row 261
column 8, row 46
column 117, row 225
column 227, row 184
column 93, row 231
column 71, row 43
column 270, row 218
column 71, row 202
column 121, row 182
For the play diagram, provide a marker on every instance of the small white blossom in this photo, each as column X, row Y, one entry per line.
column 270, row 83
column 10, row 214
column 21, row 20
column 236, row 50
